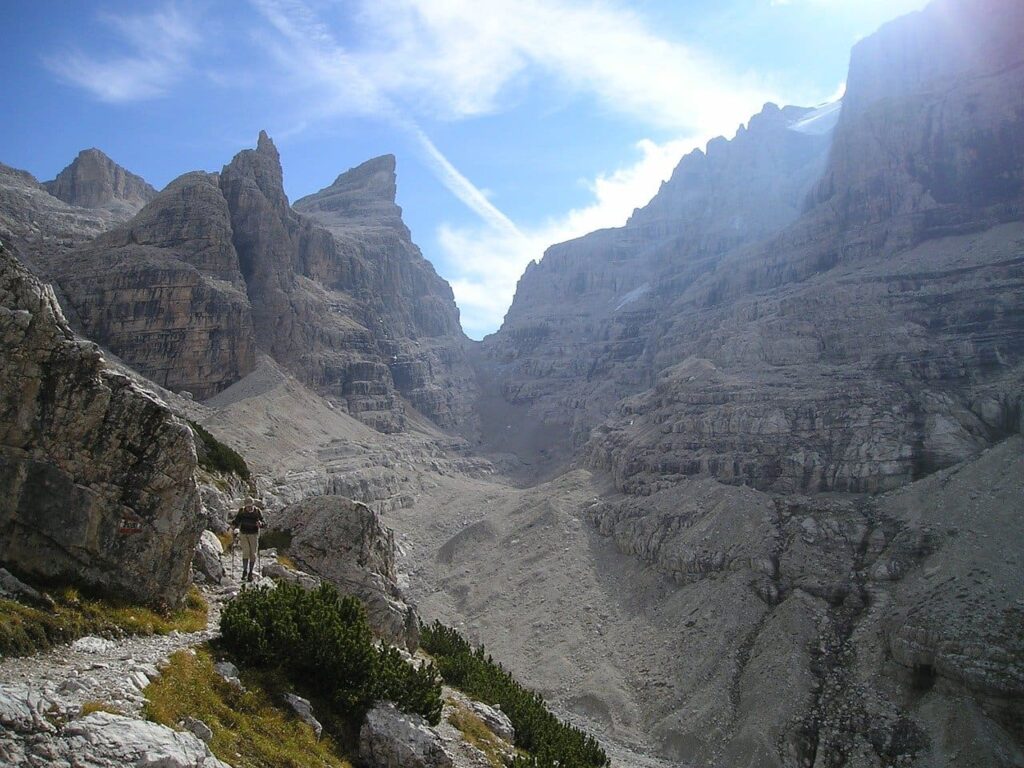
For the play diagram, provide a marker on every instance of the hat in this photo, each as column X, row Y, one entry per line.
column 250, row 500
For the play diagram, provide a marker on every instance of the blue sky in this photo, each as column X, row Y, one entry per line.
column 516, row 123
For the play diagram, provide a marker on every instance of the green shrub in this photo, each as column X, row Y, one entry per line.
column 217, row 457
column 549, row 741
column 323, row 641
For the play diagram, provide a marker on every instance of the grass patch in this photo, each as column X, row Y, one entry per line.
column 287, row 562
column 25, row 629
column 99, row 706
column 214, row 456
column 476, row 732
column 249, row 729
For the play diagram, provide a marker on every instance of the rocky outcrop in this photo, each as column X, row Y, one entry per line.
column 164, row 291
column 38, row 224
column 579, row 334
column 100, row 740
column 346, row 543
column 855, row 625
column 98, row 478
column 207, row 558
column 217, row 266
column 408, row 307
column 868, row 343
column 93, row 180
column 393, row 739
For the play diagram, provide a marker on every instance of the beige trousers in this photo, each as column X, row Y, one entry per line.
column 250, row 544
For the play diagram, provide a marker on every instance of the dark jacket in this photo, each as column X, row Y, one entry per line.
column 249, row 520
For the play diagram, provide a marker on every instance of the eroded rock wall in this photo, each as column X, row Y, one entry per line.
column 97, row 477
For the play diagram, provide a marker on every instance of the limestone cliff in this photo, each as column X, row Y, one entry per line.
column 871, row 341
column 164, row 291
column 97, row 477
column 218, row 266
column 410, row 308
column 93, row 180
column 583, row 326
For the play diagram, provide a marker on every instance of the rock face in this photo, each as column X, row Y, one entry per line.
column 346, row 543
column 409, row 309
column 98, row 478
column 856, row 626
column 871, row 341
column 38, row 224
column 218, row 266
column 578, row 336
column 93, row 180
column 164, row 292
column 393, row 739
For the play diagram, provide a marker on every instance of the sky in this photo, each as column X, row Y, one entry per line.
column 517, row 124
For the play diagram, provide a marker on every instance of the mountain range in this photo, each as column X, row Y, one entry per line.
column 737, row 483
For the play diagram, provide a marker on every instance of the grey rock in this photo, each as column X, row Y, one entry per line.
column 347, row 544
column 14, row 587
column 92, row 644
column 229, row 672
column 93, row 180
column 199, row 728
column 97, row 477
column 208, row 557
column 304, row 710
column 825, row 346
column 279, row 572
column 392, row 739
column 103, row 740
column 494, row 719
column 164, row 291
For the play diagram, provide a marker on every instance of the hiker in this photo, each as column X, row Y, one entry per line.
column 249, row 520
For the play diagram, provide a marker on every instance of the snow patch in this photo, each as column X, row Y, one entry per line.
column 819, row 121
column 632, row 296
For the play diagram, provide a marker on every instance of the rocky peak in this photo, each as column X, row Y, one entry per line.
column 93, row 180
column 932, row 118
column 362, row 195
column 259, row 169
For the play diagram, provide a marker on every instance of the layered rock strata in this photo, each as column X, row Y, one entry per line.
column 93, row 180
column 864, row 630
column 164, row 291
column 98, row 477
column 873, row 340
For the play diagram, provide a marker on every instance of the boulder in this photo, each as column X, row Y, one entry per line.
column 103, row 740
column 97, row 477
column 12, row 586
column 304, row 710
column 392, row 739
column 346, row 543
column 207, row 557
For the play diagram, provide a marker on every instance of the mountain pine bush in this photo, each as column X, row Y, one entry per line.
column 549, row 741
column 322, row 640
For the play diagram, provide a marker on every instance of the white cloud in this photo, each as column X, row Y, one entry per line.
column 488, row 261
column 457, row 59
column 157, row 46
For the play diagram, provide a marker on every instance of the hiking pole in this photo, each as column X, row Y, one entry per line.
column 234, row 548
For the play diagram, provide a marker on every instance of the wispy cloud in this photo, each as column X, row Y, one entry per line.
column 156, row 48
column 461, row 59
column 488, row 261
